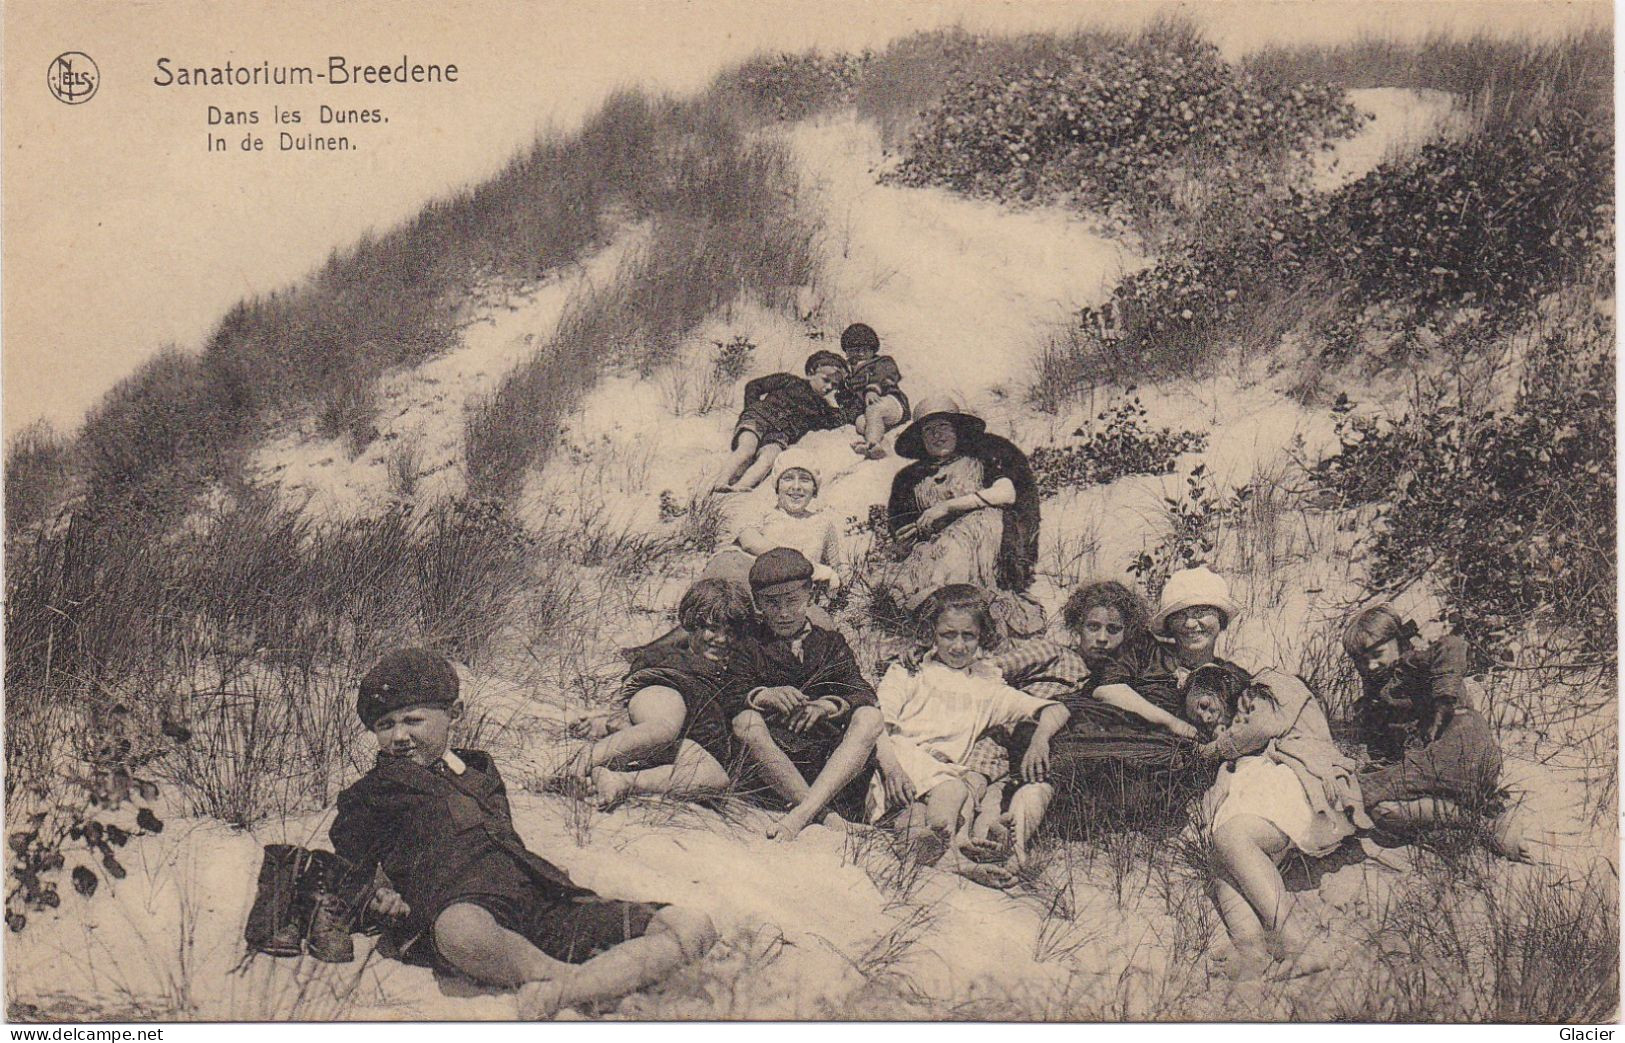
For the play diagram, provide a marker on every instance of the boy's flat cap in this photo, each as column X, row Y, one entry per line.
column 779, row 568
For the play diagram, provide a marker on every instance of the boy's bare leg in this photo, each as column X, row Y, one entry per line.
column 849, row 758
column 882, row 413
column 469, row 938
column 675, row 937
column 657, row 715
column 985, row 825
column 750, row 728
column 759, row 469
column 744, row 451
column 693, row 770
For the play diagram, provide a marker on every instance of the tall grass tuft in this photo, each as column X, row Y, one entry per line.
column 725, row 225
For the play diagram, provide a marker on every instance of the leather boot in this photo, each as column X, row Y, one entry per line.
column 275, row 926
column 328, row 934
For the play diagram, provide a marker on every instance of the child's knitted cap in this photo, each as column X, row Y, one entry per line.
column 406, row 677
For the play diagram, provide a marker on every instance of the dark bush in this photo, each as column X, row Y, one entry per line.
column 1508, row 512
column 1121, row 129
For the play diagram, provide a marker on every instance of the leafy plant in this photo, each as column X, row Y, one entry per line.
column 1115, row 444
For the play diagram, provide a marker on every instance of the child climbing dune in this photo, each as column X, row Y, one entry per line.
column 780, row 409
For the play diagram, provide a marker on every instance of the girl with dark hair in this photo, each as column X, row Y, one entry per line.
column 934, row 713
column 674, row 736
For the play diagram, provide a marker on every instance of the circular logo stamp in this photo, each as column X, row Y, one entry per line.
column 73, row 77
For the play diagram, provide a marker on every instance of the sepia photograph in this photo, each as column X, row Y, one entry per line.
column 1089, row 511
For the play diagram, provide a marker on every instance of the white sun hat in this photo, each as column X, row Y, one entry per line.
column 1188, row 588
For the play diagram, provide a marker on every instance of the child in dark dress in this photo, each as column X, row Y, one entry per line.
column 869, row 396
column 780, row 409
column 1434, row 757
column 675, row 736
column 463, row 892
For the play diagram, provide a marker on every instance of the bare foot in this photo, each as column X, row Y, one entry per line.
column 875, row 452
column 1299, row 955
column 540, row 1000
column 789, row 827
column 608, row 787
column 724, row 487
column 997, row 877
column 984, row 851
column 1507, row 839
column 860, row 447
column 1246, row 961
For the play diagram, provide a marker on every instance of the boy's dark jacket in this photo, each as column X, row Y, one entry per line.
column 1018, row 547
column 790, row 404
column 1414, row 702
column 427, row 828
column 880, row 374
column 826, row 668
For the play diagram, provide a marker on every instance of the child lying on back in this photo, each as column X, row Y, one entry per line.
column 1286, row 787
column 780, row 409
column 464, row 892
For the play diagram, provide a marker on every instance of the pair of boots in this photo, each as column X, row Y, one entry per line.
column 295, row 908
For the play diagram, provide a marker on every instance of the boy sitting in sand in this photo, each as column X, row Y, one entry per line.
column 1435, row 760
column 799, row 705
column 780, row 409
column 674, row 736
column 869, row 396
column 464, row 893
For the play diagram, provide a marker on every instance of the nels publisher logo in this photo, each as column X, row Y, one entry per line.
column 73, row 78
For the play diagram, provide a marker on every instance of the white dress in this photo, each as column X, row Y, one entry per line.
column 1273, row 792
column 935, row 716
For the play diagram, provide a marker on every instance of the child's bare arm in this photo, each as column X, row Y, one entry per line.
column 1126, row 698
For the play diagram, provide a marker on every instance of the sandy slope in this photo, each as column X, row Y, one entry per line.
column 805, row 925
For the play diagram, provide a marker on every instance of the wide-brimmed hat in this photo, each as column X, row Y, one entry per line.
column 1188, row 588
column 967, row 425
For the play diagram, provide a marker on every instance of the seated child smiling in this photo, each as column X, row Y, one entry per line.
column 676, row 737
column 463, row 891
column 934, row 715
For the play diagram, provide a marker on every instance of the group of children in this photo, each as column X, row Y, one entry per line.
column 858, row 387
column 961, row 749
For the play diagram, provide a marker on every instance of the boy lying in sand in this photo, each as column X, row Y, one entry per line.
column 780, row 409
column 464, row 893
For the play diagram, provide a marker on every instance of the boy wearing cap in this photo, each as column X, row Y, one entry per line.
column 799, row 704
column 464, row 893
column 869, row 396
column 780, row 409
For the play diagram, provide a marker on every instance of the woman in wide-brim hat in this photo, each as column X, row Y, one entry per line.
column 965, row 511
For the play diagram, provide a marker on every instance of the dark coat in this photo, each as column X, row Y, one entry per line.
column 1150, row 668
column 880, row 375
column 1414, row 703
column 789, row 404
column 826, row 669
column 1018, row 546
column 700, row 682
column 429, row 830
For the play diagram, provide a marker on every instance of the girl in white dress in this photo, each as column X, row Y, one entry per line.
column 934, row 714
